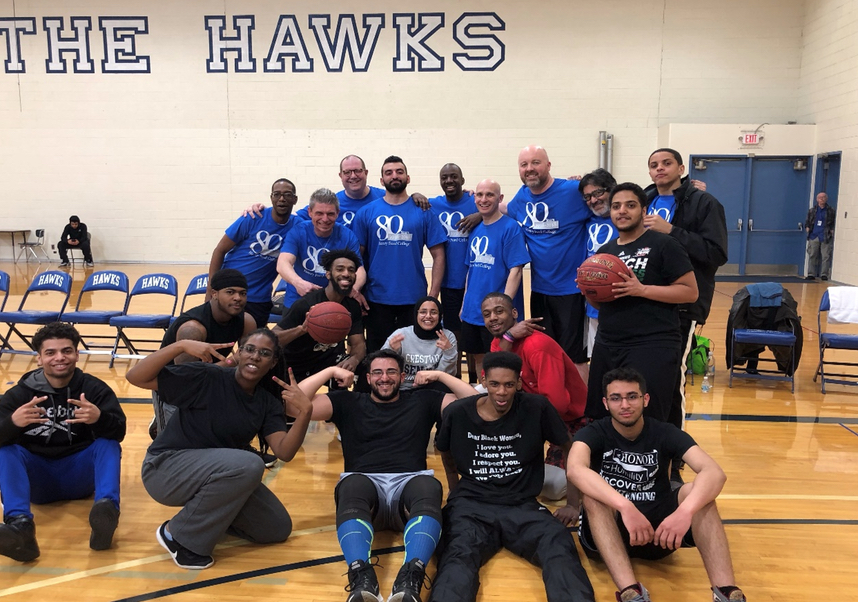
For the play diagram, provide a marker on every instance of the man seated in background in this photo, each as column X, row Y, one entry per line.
column 74, row 236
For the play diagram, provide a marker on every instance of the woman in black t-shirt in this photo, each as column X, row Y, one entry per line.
column 200, row 461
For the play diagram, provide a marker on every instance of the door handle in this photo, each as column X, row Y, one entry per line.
column 751, row 225
column 739, row 225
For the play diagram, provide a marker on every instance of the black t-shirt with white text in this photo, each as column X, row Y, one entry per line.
column 637, row 469
column 386, row 437
column 656, row 259
column 500, row 461
column 213, row 410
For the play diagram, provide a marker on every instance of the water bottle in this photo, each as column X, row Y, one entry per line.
column 705, row 386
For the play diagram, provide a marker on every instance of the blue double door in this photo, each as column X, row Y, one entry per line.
column 765, row 200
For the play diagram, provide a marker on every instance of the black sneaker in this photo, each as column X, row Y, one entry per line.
column 64, row 264
column 733, row 594
column 269, row 459
column 675, row 476
column 409, row 582
column 153, row 428
column 18, row 539
column 182, row 556
column 824, row 278
column 103, row 518
column 363, row 584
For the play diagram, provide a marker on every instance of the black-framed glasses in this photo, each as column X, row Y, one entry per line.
column 283, row 195
column 350, row 172
column 632, row 397
column 598, row 192
column 263, row 353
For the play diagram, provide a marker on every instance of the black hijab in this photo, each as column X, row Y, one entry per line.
column 419, row 331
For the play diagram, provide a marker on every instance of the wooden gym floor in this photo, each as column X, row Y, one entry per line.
column 789, row 504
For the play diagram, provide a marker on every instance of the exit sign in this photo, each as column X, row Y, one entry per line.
column 751, row 139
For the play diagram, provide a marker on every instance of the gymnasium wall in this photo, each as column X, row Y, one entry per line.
column 828, row 96
column 165, row 139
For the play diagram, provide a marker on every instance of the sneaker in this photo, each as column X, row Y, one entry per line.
column 409, row 582
column 735, row 595
column 153, row 428
column 634, row 593
column 18, row 539
column 89, row 264
column 103, row 518
column 64, row 264
column 182, row 556
column 675, row 475
column 824, row 278
column 269, row 459
column 809, row 277
column 363, row 584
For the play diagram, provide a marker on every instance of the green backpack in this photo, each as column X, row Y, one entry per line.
column 698, row 357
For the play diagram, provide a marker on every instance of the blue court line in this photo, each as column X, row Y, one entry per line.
column 792, row 419
column 250, row 575
column 849, row 429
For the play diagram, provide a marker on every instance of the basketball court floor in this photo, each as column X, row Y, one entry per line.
column 790, row 504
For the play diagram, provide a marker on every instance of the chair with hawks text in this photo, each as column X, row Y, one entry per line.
column 160, row 290
column 53, row 290
column 841, row 305
column 197, row 286
column 764, row 316
column 104, row 296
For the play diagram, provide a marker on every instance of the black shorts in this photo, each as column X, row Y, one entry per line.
column 451, row 301
column 565, row 320
column 654, row 513
column 475, row 339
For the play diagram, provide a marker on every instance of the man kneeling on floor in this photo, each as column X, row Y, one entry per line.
column 620, row 464
column 493, row 451
column 59, row 440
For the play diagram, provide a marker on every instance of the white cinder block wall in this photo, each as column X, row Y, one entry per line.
column 159, row 163
column 828, row 96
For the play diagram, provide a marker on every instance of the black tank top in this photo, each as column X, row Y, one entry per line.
column 215, row 333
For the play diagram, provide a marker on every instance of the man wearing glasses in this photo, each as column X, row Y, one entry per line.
column 252, row 247
column 620, row 465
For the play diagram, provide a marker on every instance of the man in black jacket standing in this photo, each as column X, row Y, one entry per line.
column 695, row 219
column 60, row 431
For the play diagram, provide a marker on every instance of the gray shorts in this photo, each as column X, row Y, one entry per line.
column 389, row 487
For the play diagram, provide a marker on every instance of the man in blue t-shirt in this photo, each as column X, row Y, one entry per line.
column 496, row 256
column 300, row 263
column 554, row 219
column 819, row 226
column 252, row 246
column 356, row 193
column 392, row 232
column 595, row 189
column 450, row 209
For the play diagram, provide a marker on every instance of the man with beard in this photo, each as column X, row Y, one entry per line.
column 392, row 232
column 221, row 319
column 554, row 220
column 619, row 463
column 640, row 328
column 60, row 431
column 307, row 242
column 595, row 188
column 451, row 208
column 303, row 354
column 253, row 246
column 385, row 484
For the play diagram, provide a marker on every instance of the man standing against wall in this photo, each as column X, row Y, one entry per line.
column 392, row 232
column 819, row 226
column 554, row 219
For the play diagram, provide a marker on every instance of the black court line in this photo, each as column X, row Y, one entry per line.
column 249, row 575
column 384, row 551
column 841, row 420
column 849, row 429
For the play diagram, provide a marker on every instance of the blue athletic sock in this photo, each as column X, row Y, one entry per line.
column 421, row 536
column 355, row 537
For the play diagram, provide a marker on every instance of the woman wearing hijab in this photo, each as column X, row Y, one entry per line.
column 426, row 345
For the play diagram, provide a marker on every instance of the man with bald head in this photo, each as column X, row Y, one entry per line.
column 496, row 255
column 451, row 208
column 554, row 220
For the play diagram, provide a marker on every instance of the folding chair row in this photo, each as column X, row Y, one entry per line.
column 841, row 305
column 54, row 288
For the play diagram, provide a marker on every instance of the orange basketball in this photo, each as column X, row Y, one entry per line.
column 597, row 275
column 328, row 322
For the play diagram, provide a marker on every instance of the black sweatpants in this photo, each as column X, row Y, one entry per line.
column 475, row 531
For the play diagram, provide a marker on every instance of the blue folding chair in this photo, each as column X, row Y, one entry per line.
column 4, row 288
column 113, row 301
column 274, row 318
column 843, row 297
column 197, row 286
column 56, row 288
column 151, row 284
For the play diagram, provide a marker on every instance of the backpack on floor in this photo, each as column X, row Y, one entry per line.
column 698, row 356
